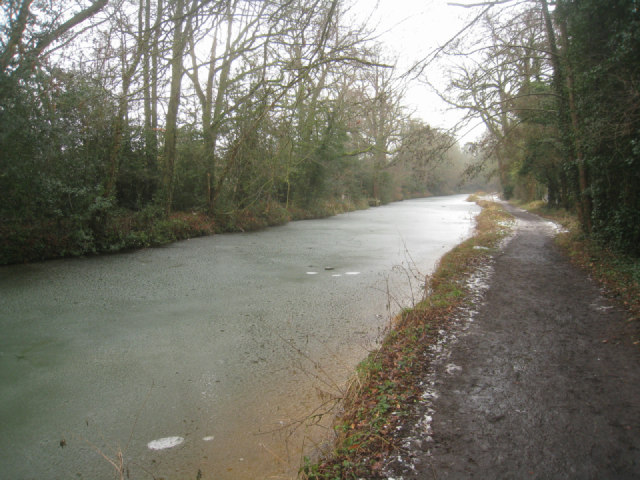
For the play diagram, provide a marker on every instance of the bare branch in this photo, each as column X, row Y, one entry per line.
column 481, row 4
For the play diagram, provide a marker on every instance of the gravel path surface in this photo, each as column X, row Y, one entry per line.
column 539, row 382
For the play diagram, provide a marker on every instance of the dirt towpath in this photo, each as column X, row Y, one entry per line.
column 540, row 382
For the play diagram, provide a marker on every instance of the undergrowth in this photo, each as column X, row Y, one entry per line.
column 119, row 230
column 385, row 386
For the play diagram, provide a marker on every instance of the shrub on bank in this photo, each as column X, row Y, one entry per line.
column 26, row 242
column 120, row 230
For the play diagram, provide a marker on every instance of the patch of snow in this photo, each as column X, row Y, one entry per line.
column 452, row 368
column 164, row 443
column 557, row 227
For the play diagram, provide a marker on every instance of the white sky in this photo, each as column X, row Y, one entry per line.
column 411, row 30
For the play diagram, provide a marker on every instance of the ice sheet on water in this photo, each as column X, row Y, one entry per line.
column 166, row 442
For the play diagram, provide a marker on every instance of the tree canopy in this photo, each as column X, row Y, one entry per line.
column 118, row 115
column 556, row 85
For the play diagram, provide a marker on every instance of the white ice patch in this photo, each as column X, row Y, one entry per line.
column 453, row 368
column 603, row 308
column 557, row 227
column 167, row 442
column 430, row 395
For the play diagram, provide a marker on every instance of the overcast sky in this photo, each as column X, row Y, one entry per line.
column 411, row 29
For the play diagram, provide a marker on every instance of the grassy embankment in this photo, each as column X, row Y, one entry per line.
column 619, row 274
column 124, row 230
column 385, row 386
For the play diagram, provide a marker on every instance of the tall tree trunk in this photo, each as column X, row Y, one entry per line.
column 212, row 127
column 503, row 169
column 568, row 119
column 155, row 55
column 116, row 141
column 149, row 134
column 583, row 182
column 121, row 119
column 150, row 79
column 171, row 127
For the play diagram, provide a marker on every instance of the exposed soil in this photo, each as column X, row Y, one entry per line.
column 542, row 381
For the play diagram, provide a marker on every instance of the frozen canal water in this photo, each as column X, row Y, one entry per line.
column 196, row 357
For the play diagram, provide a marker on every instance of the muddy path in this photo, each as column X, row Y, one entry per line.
column 539, row 382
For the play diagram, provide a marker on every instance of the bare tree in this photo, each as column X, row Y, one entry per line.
column 130, row 59
column 25, row 38
column 180, row 29
column 490, row 81
column 237, row 27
